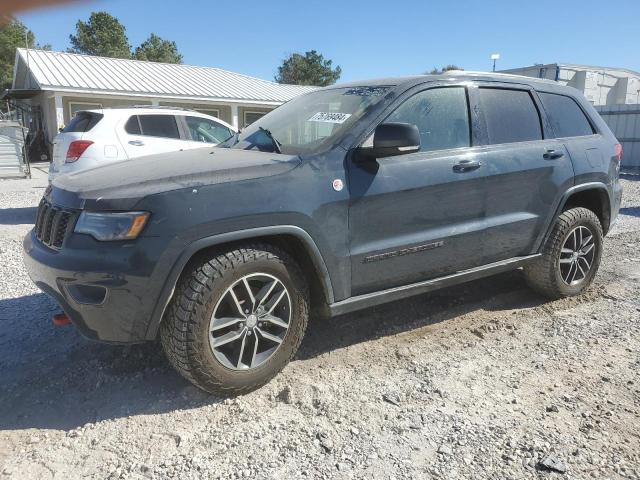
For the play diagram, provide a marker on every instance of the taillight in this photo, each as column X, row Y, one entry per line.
column 618, row 152
column 76, row 149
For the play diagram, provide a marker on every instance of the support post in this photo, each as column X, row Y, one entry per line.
column 234, row 116
column 57, row 99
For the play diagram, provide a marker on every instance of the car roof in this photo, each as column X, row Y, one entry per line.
column 452, row 75
column 113, row 113
column 138, row 109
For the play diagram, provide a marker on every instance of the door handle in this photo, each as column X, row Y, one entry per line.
column 552, row 154
column 137, row 143
column 466, row 165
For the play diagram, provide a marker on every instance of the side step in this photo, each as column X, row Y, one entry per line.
column 397, row 293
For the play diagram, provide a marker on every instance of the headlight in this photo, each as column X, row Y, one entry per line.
column 112, row 225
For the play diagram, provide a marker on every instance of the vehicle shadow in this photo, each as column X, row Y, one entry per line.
column 18, row 216
column 53, row 378
column 500, row 292
column 633, row 175
column 632, row 211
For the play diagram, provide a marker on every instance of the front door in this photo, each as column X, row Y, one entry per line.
column 419, row 216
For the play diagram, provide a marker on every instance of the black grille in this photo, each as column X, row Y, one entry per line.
column 52, row 224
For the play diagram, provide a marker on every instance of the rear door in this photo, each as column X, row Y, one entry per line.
column 527, row 169
column 572, row 127
column 150, row 133
column 419, row 216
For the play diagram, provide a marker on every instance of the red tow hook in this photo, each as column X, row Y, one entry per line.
column 60, row 320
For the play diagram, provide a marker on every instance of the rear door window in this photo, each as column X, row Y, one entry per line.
column 441, row 115
column 510, row 115
column 83, row 122
column 154, row 126
column 566, row 117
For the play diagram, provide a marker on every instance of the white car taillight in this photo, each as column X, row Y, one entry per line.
column 76, row 149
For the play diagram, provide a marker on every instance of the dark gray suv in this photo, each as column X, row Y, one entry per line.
column 343, row 198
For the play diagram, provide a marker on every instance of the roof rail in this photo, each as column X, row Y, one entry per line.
column 159, row 107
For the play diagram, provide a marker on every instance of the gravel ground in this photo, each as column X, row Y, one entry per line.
column 484, row 380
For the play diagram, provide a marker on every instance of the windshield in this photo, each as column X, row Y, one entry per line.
column 309, row 122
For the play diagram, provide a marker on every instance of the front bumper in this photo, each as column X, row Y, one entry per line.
column 108, row 289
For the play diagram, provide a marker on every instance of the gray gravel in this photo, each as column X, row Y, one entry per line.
column 485, row 380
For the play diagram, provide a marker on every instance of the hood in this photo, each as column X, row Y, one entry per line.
column 139, row 177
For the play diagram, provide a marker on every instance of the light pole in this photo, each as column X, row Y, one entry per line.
column 494, row 57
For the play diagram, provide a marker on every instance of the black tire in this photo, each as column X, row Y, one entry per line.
column 545, row 275
column 185, row 331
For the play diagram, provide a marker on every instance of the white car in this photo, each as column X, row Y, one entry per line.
column 96, row 137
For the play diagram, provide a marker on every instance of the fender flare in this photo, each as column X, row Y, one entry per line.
column 563, row 201
column 191, row 249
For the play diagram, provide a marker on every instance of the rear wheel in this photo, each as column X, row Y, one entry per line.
column 570, row 257
column 236, row 319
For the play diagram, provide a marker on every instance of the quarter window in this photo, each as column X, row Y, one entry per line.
column 133, row 126
column 566, row 117
column 441, row 115
column 510, row 115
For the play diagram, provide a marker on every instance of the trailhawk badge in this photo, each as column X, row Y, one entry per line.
column 338, row 185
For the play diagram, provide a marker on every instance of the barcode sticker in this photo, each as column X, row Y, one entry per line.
column 329, row 117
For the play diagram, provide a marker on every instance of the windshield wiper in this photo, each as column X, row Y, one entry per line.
column 277, row 146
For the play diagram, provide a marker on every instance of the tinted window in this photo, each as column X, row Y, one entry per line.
column 510, row 115
column 567, row 118
column 441, row 115
column 133, row 126
column 83, row 122
column 159, row 126
column 208, row 131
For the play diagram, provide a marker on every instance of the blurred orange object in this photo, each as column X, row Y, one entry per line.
column 10, row 7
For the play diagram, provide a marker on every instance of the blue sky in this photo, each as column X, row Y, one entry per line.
column 369, row 38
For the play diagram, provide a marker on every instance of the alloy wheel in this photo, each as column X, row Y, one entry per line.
column 250, row 321
column 576, row 256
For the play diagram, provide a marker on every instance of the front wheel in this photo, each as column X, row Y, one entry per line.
column 236, row 319
column 570, row 257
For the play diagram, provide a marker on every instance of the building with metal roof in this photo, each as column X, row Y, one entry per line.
column 600, row 85
column 615, row 92
column 52, row 86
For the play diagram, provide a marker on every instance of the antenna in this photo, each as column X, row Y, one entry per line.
column 26, row 46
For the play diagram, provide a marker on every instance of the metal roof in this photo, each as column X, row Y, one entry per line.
column 575, row 66
column 84, row 73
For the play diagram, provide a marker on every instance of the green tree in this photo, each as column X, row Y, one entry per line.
column 13, row 35
column 102, row 35
column 308, row 69
column 157, row 49
column 446, row 68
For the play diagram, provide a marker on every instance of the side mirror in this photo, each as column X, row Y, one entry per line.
column 391, row 139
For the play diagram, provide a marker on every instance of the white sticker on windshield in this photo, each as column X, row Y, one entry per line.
column 329, row 117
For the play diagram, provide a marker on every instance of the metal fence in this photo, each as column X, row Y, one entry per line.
column 624, row 121
column 12, row 159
